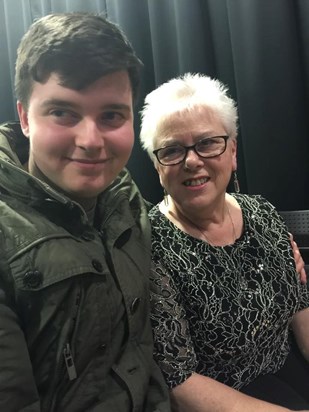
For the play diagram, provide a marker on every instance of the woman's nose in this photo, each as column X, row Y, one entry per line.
column 193, row 159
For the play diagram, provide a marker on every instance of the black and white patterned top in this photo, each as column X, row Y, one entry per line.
column 224, row 312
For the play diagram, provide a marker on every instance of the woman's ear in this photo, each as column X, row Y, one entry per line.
column 157, row 167
column 23, row 118
column 234, row 154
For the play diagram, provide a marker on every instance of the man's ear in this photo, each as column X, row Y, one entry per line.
column 23, row 118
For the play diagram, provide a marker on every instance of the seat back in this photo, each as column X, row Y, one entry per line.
column 297, row 222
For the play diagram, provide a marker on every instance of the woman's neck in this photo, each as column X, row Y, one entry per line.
column 215, row 226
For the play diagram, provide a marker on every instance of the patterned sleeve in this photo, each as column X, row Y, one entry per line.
column 280, row 226
column 173, row 346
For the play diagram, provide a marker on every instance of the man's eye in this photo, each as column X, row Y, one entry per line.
column 114, row 119
column 64, row 117
column 111, row 115
column 63, row 114
column 58, row 113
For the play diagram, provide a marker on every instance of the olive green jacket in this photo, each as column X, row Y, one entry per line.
column 74, row 307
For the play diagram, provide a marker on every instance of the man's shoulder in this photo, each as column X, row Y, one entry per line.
column 125, row 187
column 12, row 138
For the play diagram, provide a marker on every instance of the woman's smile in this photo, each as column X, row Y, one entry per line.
column 196, row 182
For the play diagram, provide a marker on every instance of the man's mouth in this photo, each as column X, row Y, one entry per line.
column 88, row 161
column 196, row 182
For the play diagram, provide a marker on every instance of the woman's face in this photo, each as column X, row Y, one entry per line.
column 196, row 182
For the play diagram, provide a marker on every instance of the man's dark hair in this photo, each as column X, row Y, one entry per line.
column 79, row 47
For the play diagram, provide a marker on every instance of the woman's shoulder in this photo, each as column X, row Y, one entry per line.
column 254, row 202
column 256, row 209
column 160, row 225
column 154, row 212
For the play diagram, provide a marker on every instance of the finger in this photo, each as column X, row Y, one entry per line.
column 303, row 276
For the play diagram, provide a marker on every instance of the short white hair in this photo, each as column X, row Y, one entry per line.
column 186, row 93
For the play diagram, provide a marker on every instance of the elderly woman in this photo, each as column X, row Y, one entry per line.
column 225, row 289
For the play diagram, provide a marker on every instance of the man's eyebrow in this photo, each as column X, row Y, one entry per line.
column 68, row 104
column 117, row 106
column 59, row 103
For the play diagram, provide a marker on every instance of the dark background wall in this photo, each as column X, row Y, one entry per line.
column 259, row 48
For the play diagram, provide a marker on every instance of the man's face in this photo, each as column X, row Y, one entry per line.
column 79, row 140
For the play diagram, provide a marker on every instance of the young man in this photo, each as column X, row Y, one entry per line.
column 74, row 235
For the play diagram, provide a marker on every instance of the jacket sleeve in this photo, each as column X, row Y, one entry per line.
column 18, row 392
column 158, row 399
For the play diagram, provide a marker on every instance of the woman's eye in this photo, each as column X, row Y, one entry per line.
column 172, row 151
column 206, row 142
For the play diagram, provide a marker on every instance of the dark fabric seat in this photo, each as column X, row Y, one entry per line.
column 289, row 387
column 297, row 222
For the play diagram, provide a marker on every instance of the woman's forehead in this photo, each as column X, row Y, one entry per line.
column 200, row 121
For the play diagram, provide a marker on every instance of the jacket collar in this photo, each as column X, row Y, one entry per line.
column 117, row 200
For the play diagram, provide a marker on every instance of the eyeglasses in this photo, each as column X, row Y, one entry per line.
column 205, row 148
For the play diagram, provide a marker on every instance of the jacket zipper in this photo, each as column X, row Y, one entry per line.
column 67, row 358
column 69, row 362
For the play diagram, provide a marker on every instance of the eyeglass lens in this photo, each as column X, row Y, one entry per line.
column 208, row 147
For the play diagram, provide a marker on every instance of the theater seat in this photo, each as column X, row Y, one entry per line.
column 297, row 222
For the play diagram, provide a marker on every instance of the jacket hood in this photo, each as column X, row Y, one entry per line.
column 14, row 145
column 17, row 184
column 14, row 179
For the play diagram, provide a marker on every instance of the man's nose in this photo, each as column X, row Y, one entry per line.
column 90, row 135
